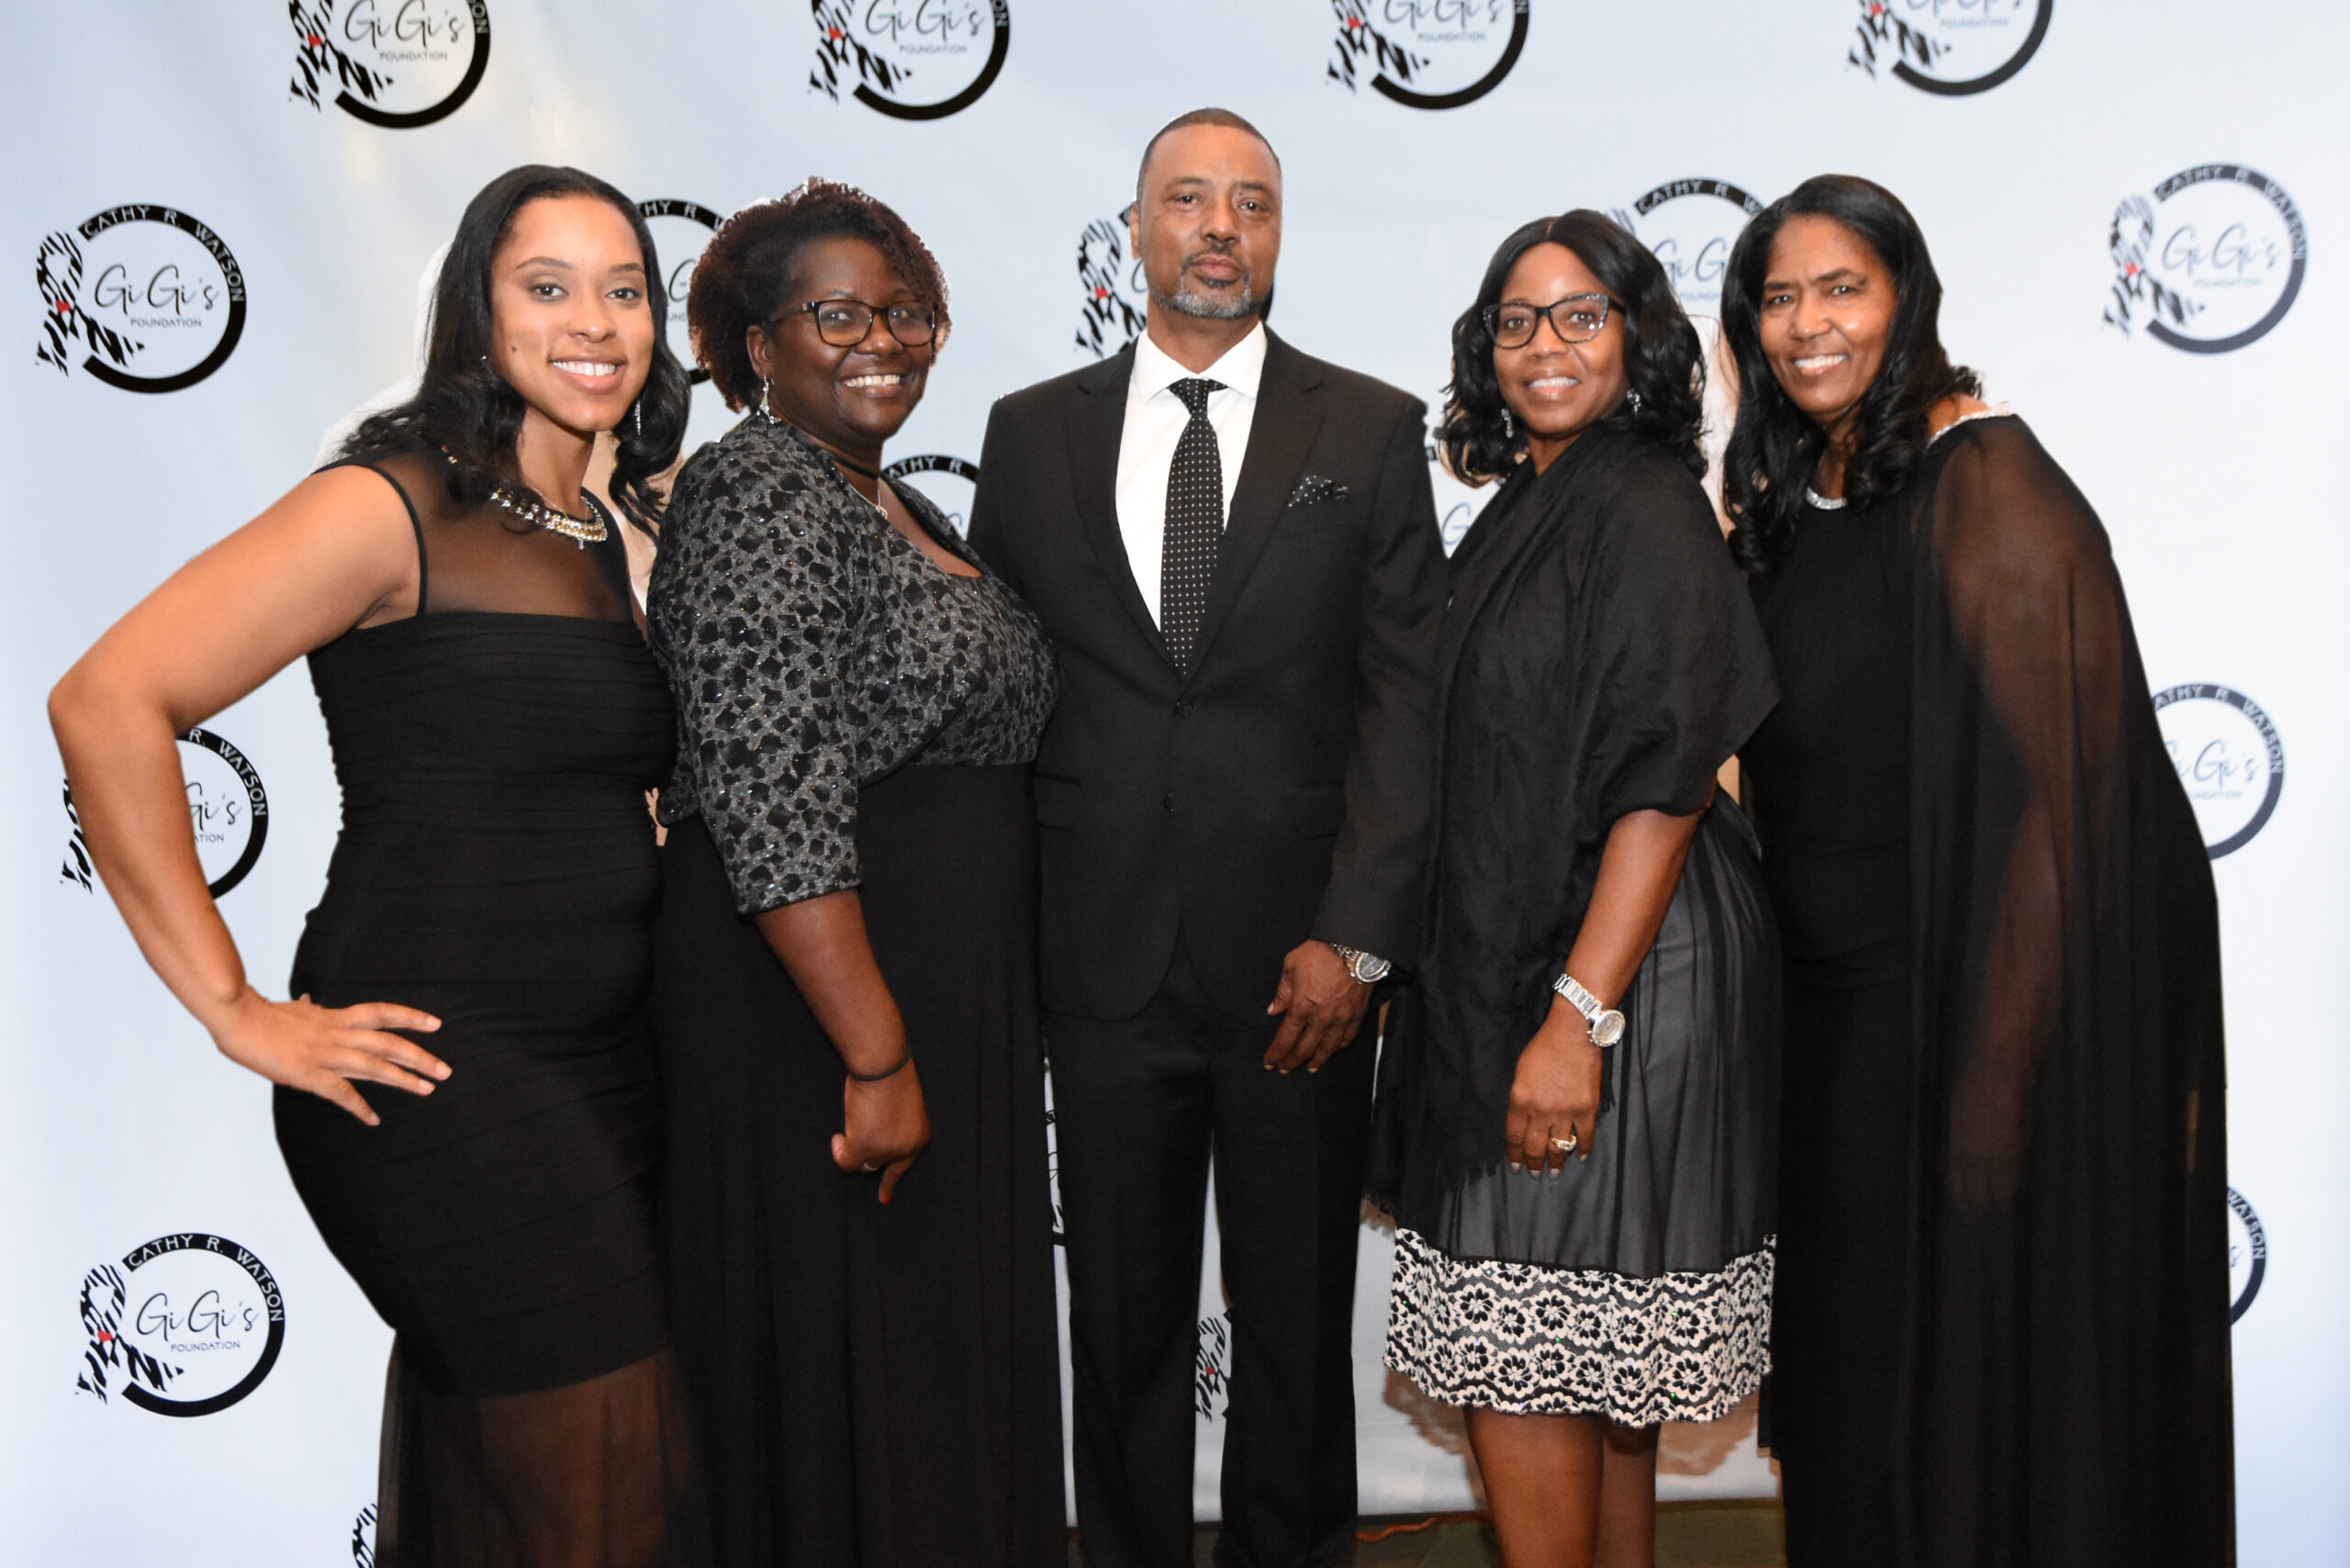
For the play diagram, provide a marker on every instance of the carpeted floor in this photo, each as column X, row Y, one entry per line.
column 1688, row 1535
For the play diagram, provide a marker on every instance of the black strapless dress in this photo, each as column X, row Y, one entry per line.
column 496, row 868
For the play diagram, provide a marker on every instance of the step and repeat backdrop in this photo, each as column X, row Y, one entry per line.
column 225, row 216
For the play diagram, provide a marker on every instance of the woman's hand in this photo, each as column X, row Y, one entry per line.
column 320, row 1050
column 1555, row 1094
column 884, row 1125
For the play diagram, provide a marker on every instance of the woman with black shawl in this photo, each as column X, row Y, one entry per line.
column 2001, row 1332
column 1575, row 1099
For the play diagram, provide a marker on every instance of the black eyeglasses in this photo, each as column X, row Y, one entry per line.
column 844, row 322
column 1577, row 319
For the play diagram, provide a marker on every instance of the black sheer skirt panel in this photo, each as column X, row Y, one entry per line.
column 595, row 1474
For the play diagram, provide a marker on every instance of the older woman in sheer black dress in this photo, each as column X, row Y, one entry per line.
column 845, row 972
column 2002, row 1324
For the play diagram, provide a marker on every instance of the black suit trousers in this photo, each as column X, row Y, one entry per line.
column 1140, row 1105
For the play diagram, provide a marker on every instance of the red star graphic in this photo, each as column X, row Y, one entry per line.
column 1354, row 21
column 832, row 35
column 1875, row 9
column 64, row 309
column 314, row 40
column 105, row 1338
column 2130, row 270
column 1100, row 292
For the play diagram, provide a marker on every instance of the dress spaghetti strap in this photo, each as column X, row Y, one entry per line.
column 415, row 522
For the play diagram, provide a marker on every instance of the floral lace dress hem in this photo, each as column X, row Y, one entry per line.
column 1533, row 1340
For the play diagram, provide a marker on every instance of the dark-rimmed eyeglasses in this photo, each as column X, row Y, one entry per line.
column 1577, row 319
column 844, row 322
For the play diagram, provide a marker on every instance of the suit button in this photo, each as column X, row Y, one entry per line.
column 1183, row 708
column 1169, row 802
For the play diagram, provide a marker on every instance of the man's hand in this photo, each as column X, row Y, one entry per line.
column 1322, row 1006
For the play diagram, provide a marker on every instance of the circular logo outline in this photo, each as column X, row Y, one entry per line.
column 1988, row 79
column 1519, row 21
column 360, row 109
column 2257, row 717
column 672, row 207
column 2242, row 175
column 258, row 1272
column 218, row 249
column 256, row 798
column 999, row 12
column 2259, row 1238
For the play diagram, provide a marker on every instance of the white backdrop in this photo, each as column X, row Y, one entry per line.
column 229, row 209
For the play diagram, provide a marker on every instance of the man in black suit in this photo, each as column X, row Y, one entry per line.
column 1235, row 550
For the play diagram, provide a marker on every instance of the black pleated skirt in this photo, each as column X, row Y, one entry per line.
column 873, row 1387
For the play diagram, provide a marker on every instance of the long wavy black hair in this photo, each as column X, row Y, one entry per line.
column 1661, row 356
column 1775, row 448
column 465, row 408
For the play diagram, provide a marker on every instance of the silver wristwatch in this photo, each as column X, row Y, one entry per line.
column 1607, row 1023
column 1366, row 970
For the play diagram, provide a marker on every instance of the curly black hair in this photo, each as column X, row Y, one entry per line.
column 466, row 408
column 1661, row 355
column 750, row 270
column 1775, row 448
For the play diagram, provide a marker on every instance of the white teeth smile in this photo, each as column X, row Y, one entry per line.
column 588, row 369
column 1555, row 381
column 891, row 380
column 1812, row 365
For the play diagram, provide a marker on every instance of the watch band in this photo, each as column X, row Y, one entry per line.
column 1366, row 968
column 1607, row 1023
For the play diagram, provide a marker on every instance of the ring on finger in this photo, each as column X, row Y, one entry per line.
column 1568, row 1143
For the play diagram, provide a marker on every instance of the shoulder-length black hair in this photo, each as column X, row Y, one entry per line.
column 749, row 267
column 465, row 408
column 1661, row 356
column 1775, row 448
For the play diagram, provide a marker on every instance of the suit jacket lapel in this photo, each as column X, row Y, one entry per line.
column 1280, row 439
column 1095, row 431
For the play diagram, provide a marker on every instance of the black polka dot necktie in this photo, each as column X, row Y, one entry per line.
column 1194, row 524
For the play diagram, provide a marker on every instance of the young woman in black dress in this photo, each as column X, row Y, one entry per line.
column 494, row 720
column 1576, row 1095
column 2002, row 1324
column 847, row 946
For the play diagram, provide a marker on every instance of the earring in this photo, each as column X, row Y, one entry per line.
column 639, row 417
column 1509, row 427
column 1632, row 397
column 764, row 412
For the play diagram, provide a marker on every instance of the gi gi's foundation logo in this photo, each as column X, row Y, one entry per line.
column 2247, row 1254
column 2228, row 758
column 398, row 64
column 362, row 1538
column 912, row 59
column 947, row 483
column 2214, row 257
column 145, row 297
column 227, row 807
column 681, row 231
column 1117, row 294
column 1948, row 46
column 185, row 1324
column 1427, row 54
column 1212, row 1374
column 1691, row 224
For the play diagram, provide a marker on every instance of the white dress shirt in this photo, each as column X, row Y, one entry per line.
column 1155, row 421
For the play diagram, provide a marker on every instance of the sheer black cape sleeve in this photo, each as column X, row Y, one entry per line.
column 2066, row 1374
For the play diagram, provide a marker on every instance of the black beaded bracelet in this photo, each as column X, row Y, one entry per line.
column 891, row 1072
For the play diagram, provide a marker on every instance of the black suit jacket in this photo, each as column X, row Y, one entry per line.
column 1283, row 791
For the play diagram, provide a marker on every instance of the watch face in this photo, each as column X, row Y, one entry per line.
column 1608, row 1028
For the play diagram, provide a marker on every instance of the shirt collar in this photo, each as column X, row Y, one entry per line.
column 1242, row 368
